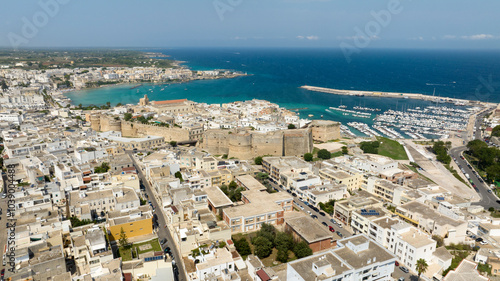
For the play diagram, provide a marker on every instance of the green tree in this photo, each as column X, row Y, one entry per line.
column 345, row 150
column 282, row 255
column 493, row 172
column 233, row 185
column 291, row 126
column 308, row 157
column 262, row 247
column 119, row 104
column 242, row 247
column 173, row 143
column 283, row 241
column 267, row 231
column 258, row 160
column 127, row 116
column 494, row 133
column 324, row 154
column 421, row 267
column 123, row 240
column 179, row 176
column 301, row 250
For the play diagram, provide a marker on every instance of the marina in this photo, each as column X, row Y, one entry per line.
column 429, row 122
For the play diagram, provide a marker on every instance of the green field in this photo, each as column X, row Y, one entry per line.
column 391, row 149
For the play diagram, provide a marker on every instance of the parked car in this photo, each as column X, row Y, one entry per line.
column 314, row 217
column 167, row 250
column 324, row 223
column 401, row 279
column 163, row 241
column 322, row 213
column 483, row 242
column 396, row 263
column 479, row 239
column 333, row 221
column 339, row 234
column 404, row 269
column 331, row 229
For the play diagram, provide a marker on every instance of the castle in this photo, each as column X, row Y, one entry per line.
column 239, row 143
column 245, row 144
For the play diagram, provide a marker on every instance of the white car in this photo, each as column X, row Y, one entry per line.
column 340, row 225
column 483, row 242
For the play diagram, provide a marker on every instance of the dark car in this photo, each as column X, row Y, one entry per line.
column 324, row 223
column 322, row 213
column 404, row 269
column 479, row 239
column 163, row 241
column 167, row 250
column 3, row 272
column 339, row 234
column 314, row 217
column 294, row 194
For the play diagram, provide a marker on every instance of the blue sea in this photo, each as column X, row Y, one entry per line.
column 277, row 74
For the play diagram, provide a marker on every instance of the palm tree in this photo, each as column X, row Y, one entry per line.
column 421, row 267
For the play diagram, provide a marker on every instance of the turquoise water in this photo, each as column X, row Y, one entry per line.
column 277, row 74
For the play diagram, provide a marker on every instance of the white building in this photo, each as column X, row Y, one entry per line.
column 356, row 258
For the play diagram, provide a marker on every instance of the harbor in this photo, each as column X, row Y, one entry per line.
column 456, row 102
column 429, row 122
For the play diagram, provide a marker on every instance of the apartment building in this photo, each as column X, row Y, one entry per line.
column 355, row 258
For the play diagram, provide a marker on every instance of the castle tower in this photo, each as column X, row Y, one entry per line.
column 144, row 101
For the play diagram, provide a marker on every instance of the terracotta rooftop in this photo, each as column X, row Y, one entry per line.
column 168, row 101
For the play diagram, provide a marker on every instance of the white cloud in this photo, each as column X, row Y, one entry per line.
column 419, row 38
column 471, row 37
column 375, row 37
column 478, row 37
column 309, row 37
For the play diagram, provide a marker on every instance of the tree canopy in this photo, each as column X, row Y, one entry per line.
column 324, row 154
column 308, row 157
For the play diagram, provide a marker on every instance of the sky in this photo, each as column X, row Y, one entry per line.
column 351, row 24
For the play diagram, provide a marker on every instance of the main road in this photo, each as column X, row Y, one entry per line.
column 488, row 198
column 163, row 231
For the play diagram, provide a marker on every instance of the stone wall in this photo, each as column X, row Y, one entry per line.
column 325, row 130
column 297, row 142
column 270, row 143
column 244, row 144
column 105, row 123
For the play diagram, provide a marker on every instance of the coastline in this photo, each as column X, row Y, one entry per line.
column 394, row 95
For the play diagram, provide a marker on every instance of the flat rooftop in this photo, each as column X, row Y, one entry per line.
column 309, row 229
column 250, row 183
column 217, row 197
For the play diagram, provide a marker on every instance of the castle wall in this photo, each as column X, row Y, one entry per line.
column 110, row 124
column 323, row 130
column 297, row 142
column 95, row 123
column 270, row 143
column 247, row 144
column 136, row 130
column 240, row 145
column 216, row 141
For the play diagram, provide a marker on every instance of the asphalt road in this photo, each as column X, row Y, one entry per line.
column 163, row 232
column 487, row 199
